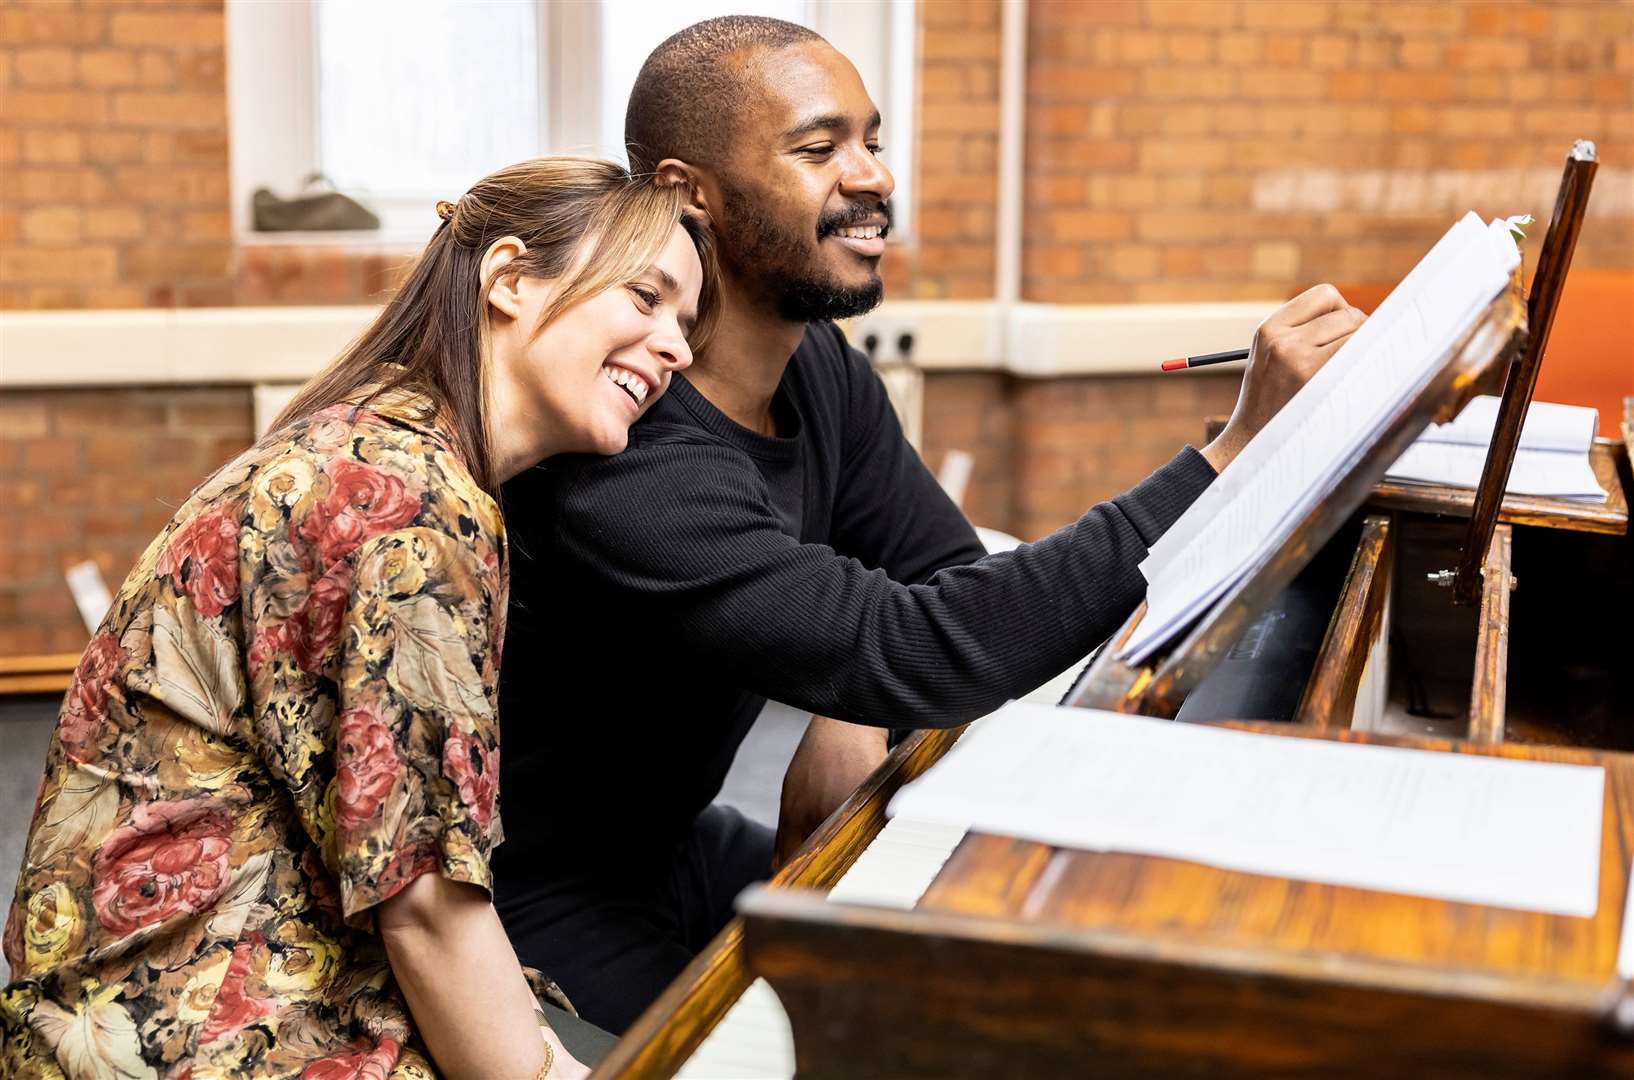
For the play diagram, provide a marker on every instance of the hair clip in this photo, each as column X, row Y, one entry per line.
column 445, row 209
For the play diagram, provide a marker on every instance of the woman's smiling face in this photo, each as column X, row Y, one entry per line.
column 603, row 362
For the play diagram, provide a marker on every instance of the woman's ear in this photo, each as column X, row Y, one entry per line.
column 503, row 295
column 676, row 171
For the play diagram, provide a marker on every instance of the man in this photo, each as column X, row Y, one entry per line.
column 769, row 532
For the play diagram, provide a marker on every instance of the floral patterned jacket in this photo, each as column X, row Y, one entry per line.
column 288, row 714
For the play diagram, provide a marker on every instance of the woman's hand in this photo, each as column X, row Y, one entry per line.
column 1289, row 347
column 832, row 761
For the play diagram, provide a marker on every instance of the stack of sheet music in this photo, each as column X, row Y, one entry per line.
column 1463, row 827
column 1305, row 449
column 1552, row 460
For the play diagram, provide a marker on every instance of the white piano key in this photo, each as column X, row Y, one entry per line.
column 753, row 1040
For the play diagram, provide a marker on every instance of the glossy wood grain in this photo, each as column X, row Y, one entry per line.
column 1490, row 686
column 1023, row 959
column 1330, row 695
column 1610, row 517
column 1201, row 903
column 1543, row 303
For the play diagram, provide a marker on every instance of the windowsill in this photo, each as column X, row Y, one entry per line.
column 359, row 239
column 290, row 344
column 380, row 239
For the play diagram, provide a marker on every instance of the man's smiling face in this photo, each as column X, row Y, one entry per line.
column 803, row 209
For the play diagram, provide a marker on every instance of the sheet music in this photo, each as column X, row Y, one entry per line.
column 1323, row 430
column 1464, row 827
column 1548, row 426
column 1554, row 473
column 1552, row 458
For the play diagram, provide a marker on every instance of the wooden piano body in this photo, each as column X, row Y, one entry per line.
column 1021, row 959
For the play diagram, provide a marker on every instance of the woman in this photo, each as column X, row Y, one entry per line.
column 261, row 847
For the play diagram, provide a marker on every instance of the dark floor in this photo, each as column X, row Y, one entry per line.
column 26, row 722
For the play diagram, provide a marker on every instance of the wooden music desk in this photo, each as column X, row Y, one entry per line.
column 1028, row 960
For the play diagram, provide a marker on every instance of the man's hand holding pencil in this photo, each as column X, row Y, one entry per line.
column 1289, row 347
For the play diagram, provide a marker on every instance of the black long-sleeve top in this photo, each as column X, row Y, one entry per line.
column 659, row 596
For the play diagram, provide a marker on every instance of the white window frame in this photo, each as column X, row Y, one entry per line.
column 272, row 90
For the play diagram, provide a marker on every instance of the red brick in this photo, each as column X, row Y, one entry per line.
column 1489, row 53
column 1286, row 85
column 179, row 110
column 963, row 44
column 1157, row 155
column 1422, row 53
column 1201, row 13
column 1135, row 47
column 1135, row 262
column 172, row 186
column 170, row 29
column 51, row 456
column 1081, row 225
column 45, row 67
column 1058, row 120
column 175, row 261
column 81, row 264
column 50, row 24
column 959, row 119
column 1189, row 48
column 202, row 71
column 108, row 67
column 156, row 69
column 114, row 223
column 1331, row 51
column 1417, row 20
column 1241, row 48
column 1191, row 83
column 51, row 226
column 56, row 107
column 53, row 146
column 1053, row 261
column 231, row 413
column 1286, row 14
column 1285, row 50
column 113, row 147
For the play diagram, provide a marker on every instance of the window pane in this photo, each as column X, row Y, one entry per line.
column 631, row 29
column 423, row 97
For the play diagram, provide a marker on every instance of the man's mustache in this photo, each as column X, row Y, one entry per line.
column 855, row 215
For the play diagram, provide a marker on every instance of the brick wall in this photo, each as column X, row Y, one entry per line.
column 1176, row 150
column 1047, row 449
column 94, row 474
column 956, row 160
column 1221, row 149
column 113, row 155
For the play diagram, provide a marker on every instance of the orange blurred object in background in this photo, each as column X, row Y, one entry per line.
column 1590, row 356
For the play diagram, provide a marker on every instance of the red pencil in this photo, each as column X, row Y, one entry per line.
column 1184, row 362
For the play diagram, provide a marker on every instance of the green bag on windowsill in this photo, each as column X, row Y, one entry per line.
column 310, row 211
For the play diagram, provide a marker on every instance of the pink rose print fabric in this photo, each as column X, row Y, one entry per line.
column 287, row 716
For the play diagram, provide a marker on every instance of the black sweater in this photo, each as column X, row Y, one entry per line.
column 660, row 595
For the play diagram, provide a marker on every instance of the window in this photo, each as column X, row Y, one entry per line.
column 407, row 104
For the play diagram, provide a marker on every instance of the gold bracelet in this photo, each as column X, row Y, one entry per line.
column 550, row 1059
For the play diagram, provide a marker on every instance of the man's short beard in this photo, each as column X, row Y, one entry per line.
column 783, row 264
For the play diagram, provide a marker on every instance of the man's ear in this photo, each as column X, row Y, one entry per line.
column 676, row 171
column 503, row 294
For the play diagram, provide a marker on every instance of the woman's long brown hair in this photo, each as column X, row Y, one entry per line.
column 588, row 225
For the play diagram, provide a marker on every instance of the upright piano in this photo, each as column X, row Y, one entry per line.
column 1463, row 622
